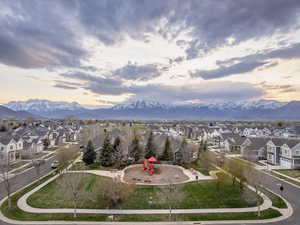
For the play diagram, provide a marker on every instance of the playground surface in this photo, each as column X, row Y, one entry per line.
column 162, row 174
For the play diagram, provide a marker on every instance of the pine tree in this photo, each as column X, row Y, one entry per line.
column 150, row 147
column 167, row 153
column 117, row 153
column 89, row 155
column 200, row 149
column 135, row 149
column 106, row 153
column 181, row 153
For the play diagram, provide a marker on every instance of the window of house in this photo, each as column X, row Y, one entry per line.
column 11, row 147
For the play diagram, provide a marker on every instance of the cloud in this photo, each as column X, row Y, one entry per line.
column 32, row 37
column 216, row 91
column 223, row 71
column 96, row 84
column 245, row 64
column 286, row 88
column 137, row 72
column 64, row 87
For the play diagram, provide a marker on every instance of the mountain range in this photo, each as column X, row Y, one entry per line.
column 141, row 109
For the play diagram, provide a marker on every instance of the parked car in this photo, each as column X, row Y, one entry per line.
column 55, row 164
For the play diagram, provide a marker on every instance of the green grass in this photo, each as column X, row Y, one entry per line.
column 197, row 166
column 291, row 173
column 202, row 194
column 286, row 179
column 277, row 201
column 17, row 214
column 94, row 166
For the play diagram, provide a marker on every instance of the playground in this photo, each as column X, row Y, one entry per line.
column 150, row 173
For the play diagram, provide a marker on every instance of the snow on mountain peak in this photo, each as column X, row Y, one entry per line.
column 41, row 105
column 139, row 104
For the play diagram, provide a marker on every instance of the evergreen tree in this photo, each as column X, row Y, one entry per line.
column 135, row 149
column 181, row 153
column 167, row 152
column 89, row 155
column 150, row 147
column 106, row 153
column 117, row 153
column 200, row 149
column 205, row 146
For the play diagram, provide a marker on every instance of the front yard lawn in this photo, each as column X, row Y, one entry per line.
column 291, row 173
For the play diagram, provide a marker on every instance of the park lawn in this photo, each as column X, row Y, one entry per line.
column 201, row 194
column 197, row 166
column 17, row 214
column 94, row 166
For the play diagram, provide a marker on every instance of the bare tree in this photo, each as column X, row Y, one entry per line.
column 65, row 156
column 171, row 195
column 114, row 189
column 70, row 188
column 237, row 170
column 5, row 167
column 35, row 162
column 254, row 179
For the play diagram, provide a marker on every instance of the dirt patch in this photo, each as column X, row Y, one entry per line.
column 162, row 174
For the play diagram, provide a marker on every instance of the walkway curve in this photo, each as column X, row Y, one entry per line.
column 22, row 204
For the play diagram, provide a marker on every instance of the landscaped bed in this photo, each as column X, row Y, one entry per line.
column 201, row 194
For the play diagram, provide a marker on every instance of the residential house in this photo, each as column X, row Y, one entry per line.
column 290, row 154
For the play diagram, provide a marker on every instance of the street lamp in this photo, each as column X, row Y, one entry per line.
column 281, row 188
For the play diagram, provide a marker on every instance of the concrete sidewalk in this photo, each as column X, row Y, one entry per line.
column 22, row 204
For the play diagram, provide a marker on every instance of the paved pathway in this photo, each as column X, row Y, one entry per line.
column 22, row 202
column 291, row 193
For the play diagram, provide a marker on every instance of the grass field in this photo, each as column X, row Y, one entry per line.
column 202, row 194
column 17, row 214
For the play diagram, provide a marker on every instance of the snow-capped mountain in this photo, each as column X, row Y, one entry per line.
column 140, row 104
column 40, row 105
column 46, row 108
column 144, row 109
column 244, row 105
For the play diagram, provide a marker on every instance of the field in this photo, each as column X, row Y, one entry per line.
column 202, row 194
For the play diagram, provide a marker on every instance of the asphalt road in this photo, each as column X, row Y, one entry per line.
column 25, row 178
column 291, row 193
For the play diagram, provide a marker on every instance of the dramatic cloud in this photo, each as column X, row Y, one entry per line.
column 100, row 85
column 137, row 72
column 239, row 65
column 32, row 37
column 238, row 68
column 167, row 93
column 163, row 40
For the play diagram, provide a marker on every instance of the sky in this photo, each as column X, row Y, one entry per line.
column 101, row 53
